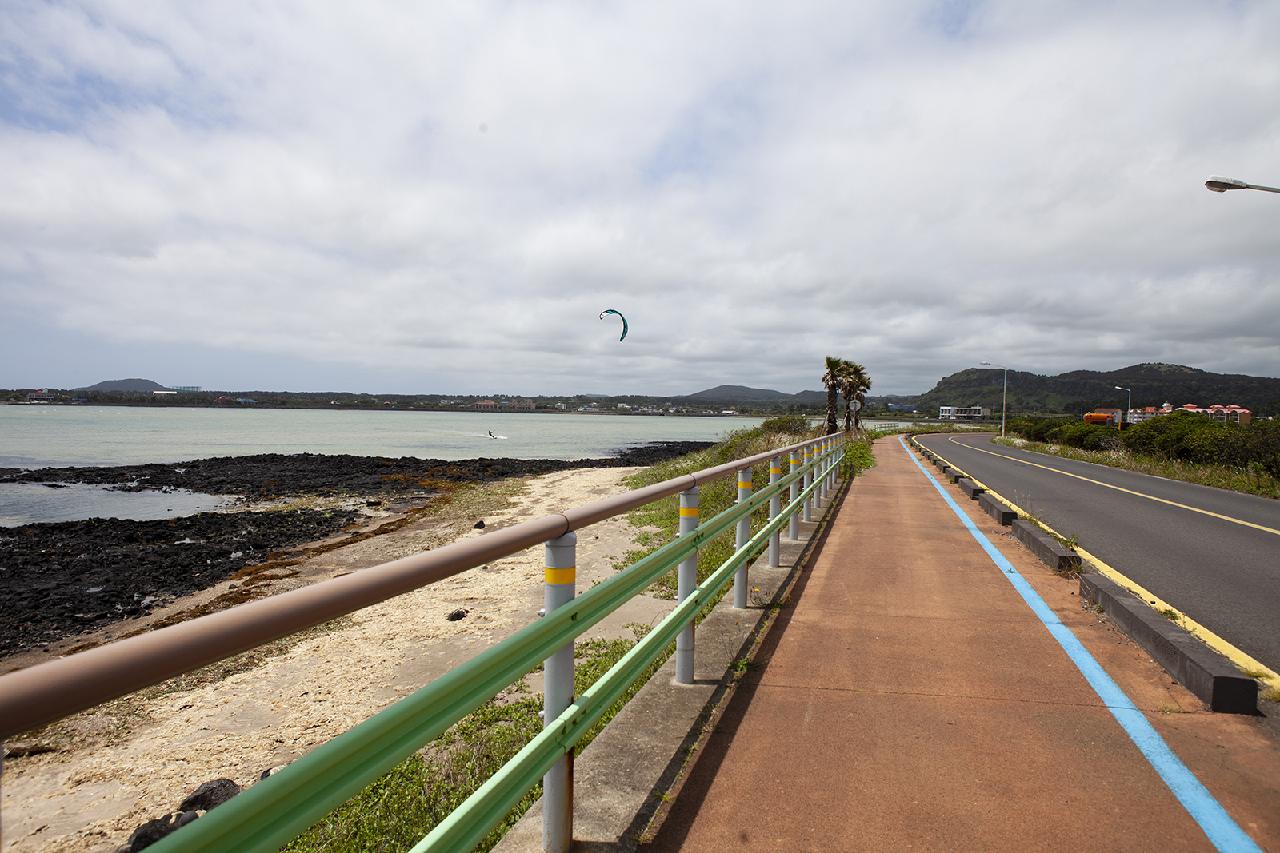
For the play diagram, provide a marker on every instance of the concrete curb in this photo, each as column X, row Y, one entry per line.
column 1051, row 552
column 970, row 488
column 1210, row 676
column 955, row 475
column 992, row 507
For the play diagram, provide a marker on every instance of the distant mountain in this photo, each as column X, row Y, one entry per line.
column 143, row 385
column 1081, row 390
column 743, row 394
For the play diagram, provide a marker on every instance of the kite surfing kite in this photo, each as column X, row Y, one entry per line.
column 620, row 317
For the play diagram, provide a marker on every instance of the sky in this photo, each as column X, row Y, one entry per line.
column 441, row 197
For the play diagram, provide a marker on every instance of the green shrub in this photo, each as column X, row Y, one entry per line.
column 797, row 425
column 1179, row 437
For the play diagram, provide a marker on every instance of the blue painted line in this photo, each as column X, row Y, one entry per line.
column 1223, row 832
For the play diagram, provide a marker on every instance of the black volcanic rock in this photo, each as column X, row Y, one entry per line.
column 65, row 578
column 270, row 475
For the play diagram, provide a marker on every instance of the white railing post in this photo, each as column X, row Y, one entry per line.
column 775, row 507
column 686, row 583
column 740, row 579
column 822, row 469
column 808, row 481
column 557, row 691
column 832, row 478
column 793, row 523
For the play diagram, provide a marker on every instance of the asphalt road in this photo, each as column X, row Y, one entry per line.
column 1202, row 556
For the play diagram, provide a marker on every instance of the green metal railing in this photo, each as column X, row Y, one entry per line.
column 272, row 812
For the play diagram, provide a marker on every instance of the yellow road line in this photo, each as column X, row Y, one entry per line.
column 1217, row 515
column 1240, row 658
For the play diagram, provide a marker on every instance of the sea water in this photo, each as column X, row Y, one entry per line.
column 44, row 436
column 29, row 503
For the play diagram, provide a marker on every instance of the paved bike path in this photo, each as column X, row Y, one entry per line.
column 910, row 698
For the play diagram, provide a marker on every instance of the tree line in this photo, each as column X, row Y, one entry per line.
column 1181, row 436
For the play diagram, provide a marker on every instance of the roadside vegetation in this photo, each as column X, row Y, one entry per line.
column 397, row 810
column 659, row 521
column 1180, row 446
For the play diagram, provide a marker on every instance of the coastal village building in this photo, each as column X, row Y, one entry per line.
column 516, row 405
column 962, row 413
column 1230, row 413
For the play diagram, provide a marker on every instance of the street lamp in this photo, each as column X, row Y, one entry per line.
column 1218, row 184
column 1127, row 407
column 1004, row 395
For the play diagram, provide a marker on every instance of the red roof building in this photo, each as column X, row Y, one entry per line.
column 1230, row 413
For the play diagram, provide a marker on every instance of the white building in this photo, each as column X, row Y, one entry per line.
column 962, row 413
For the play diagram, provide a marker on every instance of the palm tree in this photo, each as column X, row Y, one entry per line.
column 854, row 386
column 862, row 384
column 831, row 379
column 847, row 390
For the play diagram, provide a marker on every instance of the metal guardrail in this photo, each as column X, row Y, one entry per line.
column 280, row 807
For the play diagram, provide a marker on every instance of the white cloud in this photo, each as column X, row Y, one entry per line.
column 918, row 186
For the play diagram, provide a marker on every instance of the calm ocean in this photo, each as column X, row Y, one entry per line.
column 42, row 436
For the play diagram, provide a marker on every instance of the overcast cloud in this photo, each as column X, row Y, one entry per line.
column 422, row 197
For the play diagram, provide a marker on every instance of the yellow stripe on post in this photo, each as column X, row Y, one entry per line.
column 775, row 470
column 569, row 575
column 744, row 484
column 689, row 511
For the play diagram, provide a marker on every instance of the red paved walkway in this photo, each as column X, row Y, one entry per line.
column 910, row 699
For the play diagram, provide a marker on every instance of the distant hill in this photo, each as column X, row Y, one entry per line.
column 743, row 394
column 143, row 385
column 1081, row 390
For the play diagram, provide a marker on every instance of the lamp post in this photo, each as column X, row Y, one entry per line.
column 1129, row 405
column 1004, row 395
column 1219, row 184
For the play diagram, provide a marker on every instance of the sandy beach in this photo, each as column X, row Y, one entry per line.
column 135, row 759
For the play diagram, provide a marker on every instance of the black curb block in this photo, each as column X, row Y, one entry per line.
column 1057, row 556
column 996, row 510
column 1200, row 669
column 970, row 488
column 954, row 474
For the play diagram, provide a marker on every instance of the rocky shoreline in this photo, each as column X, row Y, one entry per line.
column 66, row 578
column 271, row 475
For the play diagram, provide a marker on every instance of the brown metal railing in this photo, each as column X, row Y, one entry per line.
column 56, row 689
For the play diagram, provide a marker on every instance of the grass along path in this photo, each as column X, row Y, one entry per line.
column 396, row 811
